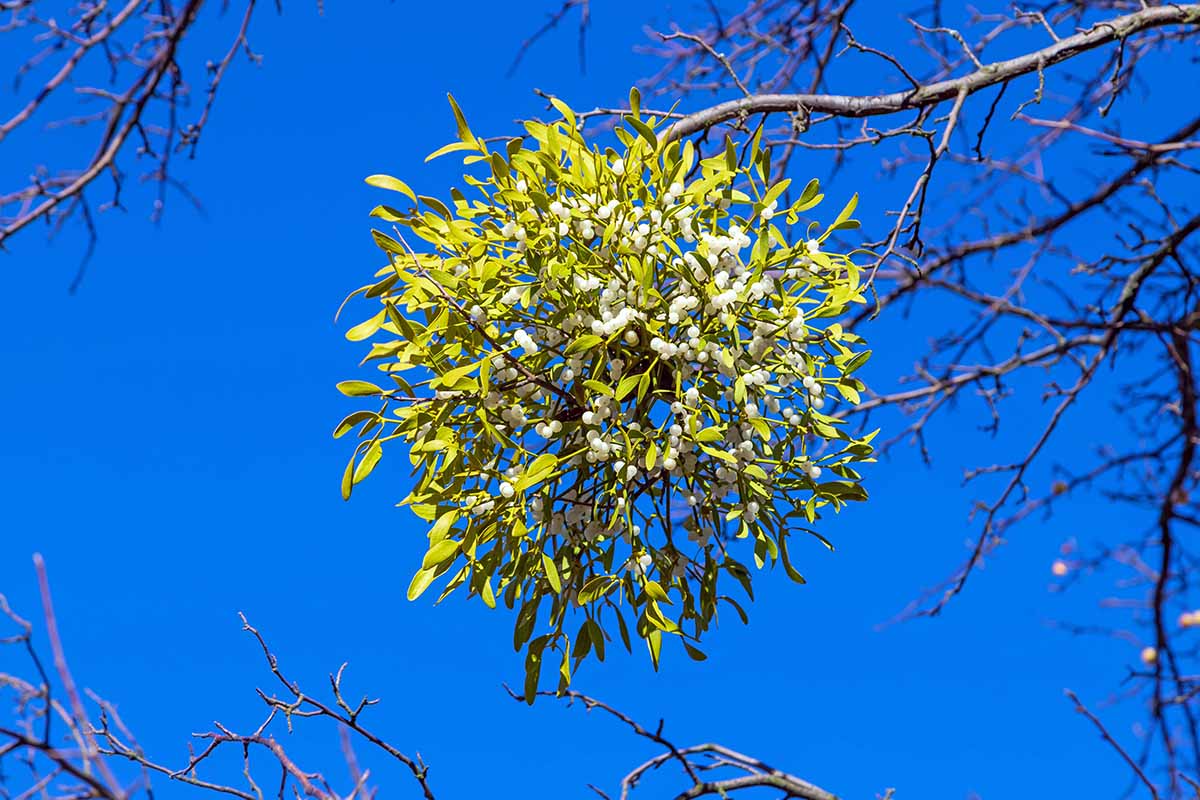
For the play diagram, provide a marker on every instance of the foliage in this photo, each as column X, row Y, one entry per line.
column 610, row 367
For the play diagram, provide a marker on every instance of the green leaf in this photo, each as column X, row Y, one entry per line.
column 740, row 574
column 348, row 480
column 626, row 385
column 844, row 490
column 787, row 561
column 526, row 619
column 431, row 445
column 856, row 362
column 656, row 592
column 741, row 612
column 651, row 455
column 440, row 552
column 754, row 149
column 451, row 377
column 453, row 147
column 374, row 453
column 444, row 523
column 366, row 329
column 464, row 131
column 643, row 385
column 825, row 430
column 387, row 214
column 552, row 573
column 583, row 641
column 654, row 642
column 351, row 420
column 565, row 110
column 602, row 388
column 596, row 636
column 564, row 669
column 624, row 631
column 533, row 668
column 721, row 454
column 844, row 217
column 420, row 583
column 359, row 389
column 775, row 191
column 437, row 205
column 811, row 190
column 656, row 618
column 393, row 184
column 816, row 201
column 754, row 470
column 595, row 587
column 643, row 130
column 485, row 374
column 537, row 471
column 585, row 342
column 387, row 243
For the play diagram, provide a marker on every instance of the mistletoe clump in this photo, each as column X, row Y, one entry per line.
column 608, row 367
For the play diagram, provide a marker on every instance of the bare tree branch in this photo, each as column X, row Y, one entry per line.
column 933, row 93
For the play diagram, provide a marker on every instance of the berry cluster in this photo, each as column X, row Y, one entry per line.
column 618, row 363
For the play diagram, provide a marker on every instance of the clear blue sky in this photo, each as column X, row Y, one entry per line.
column 167, row 447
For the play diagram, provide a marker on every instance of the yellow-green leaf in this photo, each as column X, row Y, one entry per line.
column 358, row 389
column 440, row 552
column 453, row 147
column 537, row 471
column 651, row 455
column 393, row 184
column 656, row 592
column 464, row 131
column 374, row 452
column 366, row 329
column 585, row 342
column 551, row 573
column 420, row 583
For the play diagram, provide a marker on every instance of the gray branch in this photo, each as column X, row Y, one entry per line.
column 1099, row 34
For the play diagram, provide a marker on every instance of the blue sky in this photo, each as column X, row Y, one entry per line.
column 168, row 449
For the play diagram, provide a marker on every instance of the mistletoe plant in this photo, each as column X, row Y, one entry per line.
column 609, row 368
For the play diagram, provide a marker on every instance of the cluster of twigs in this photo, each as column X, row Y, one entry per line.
column 113, row 70
column 1025, row 281
column 61, row 742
